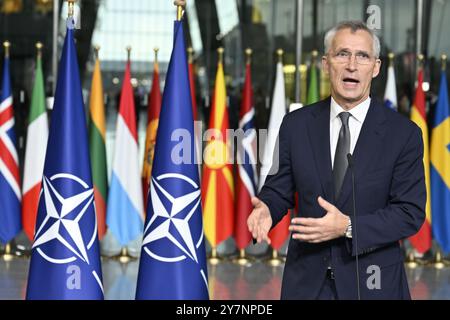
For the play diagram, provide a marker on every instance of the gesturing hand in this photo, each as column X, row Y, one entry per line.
column 315, row 230
column 259, row 221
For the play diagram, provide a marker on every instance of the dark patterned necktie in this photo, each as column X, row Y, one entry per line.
column 340, row 157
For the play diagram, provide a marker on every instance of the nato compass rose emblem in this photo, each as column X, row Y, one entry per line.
column 65, row 219
column 174, row 232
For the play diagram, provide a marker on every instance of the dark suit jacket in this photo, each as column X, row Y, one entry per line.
column 390, row 200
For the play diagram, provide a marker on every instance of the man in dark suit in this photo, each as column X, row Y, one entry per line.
column 390, row 194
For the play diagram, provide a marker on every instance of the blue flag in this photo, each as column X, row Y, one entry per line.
column 10, row 195
column 173, row 259
column 65, row 260
column 440, row 169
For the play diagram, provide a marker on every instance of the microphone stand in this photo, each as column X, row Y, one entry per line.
column 354, row 231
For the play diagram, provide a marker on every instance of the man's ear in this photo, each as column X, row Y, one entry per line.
column 376, row 69
column 325, row 64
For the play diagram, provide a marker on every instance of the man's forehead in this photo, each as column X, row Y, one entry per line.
column 347, row 38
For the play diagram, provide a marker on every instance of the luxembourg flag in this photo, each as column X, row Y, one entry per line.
column 125, row 211
column 10, row 195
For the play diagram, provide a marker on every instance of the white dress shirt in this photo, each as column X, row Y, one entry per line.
column 355, row 122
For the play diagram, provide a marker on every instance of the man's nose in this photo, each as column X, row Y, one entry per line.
column 352, row 64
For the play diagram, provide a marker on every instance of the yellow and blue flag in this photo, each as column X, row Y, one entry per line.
column 440, row 169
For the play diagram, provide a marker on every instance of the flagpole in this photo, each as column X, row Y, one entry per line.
column 71, row 4
column 280, row 53
column 314, row 55
column 420, row 58
column 190, row 52
column 438, row 260
column 215, row 259
column 96, row 50
column 242, row 259
column 298, row 47
column 391, row 57
column 155, row 62
column 128, row 53
column 179, row 12
column 6, row 46
column 274, row 259
column 7, row 256
column 39, row 47
column 124, row 256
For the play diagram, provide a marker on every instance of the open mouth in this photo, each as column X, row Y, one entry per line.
column 350, row 81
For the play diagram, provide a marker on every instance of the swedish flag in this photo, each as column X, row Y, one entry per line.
column 440, row 169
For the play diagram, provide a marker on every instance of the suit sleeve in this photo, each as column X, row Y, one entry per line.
column 405, row 212
column 278, row 190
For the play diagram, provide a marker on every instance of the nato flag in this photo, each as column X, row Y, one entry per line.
column 65, row 260
column 173, row 259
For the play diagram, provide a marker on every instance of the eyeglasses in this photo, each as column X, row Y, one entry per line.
column 344, row 56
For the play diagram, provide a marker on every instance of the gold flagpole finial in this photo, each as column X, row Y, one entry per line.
column 220, row 54
column 39, row 47
column 190, row 52
column 6, row 45
column 71, row 4
column 156, row 49
column 96, row 50
column 314, row 55
column 181, row 4
column 280, row 53
column 443, row 62
column 128, row 52
column 179, row 12
column 420, row 58
column 248, row 54
column 391, row 57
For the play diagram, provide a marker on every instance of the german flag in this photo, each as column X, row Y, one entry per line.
column 217, row 178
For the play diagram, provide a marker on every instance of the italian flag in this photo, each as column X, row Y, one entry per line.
column 97, row 149
column 36, row 145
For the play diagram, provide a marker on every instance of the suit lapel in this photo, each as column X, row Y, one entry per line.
column 368, row 145
column 319, row 135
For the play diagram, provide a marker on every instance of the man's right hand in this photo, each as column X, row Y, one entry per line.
column 259, row 221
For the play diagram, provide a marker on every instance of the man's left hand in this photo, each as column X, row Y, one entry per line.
column 315, row 230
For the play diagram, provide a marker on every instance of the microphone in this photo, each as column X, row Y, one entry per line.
column 354, row 231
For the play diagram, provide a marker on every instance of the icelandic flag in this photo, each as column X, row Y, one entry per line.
column 10, row 195
column 65, row 258
column 173, row 259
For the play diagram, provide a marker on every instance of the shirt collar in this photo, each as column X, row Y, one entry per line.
column 358, row 112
